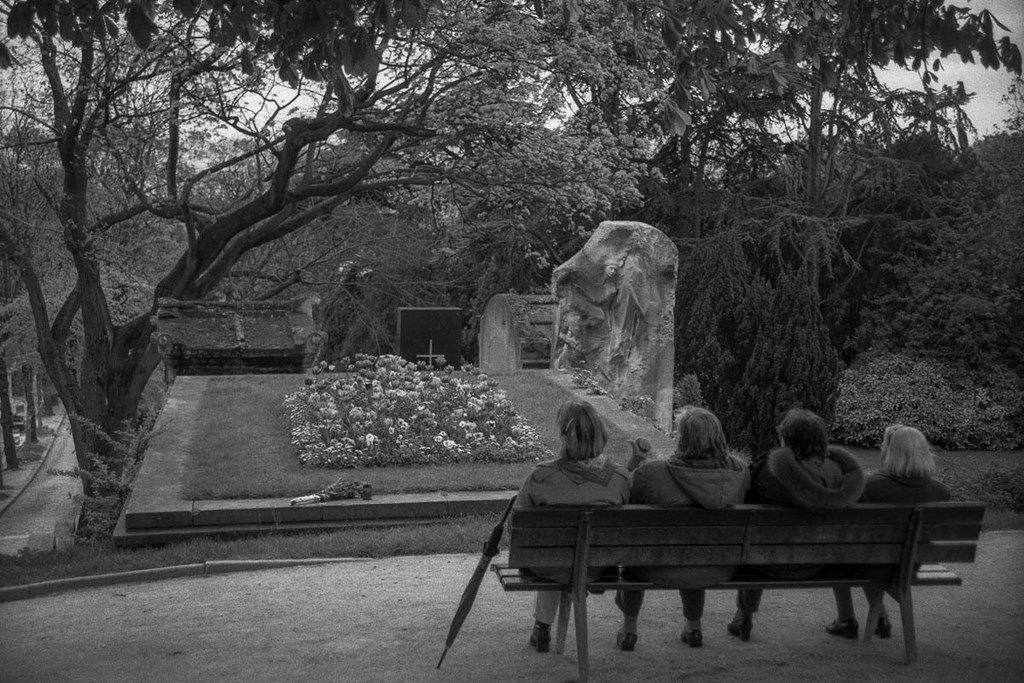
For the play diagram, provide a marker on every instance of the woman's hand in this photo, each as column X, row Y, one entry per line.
column 641, row 451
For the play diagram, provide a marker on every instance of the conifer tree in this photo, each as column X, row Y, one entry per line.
column 792, row 363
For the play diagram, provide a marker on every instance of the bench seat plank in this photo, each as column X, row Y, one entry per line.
column 516, row 579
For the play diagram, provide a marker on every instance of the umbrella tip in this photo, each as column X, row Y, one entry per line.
column 442, row 657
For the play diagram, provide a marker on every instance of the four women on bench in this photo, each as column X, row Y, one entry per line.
column 908, row 466
column 579, row 476
column 805, row 472
column 703, row 473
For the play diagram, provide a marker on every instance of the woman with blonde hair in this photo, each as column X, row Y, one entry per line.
column 906, row 477
column 701, row 473
column 579, row 476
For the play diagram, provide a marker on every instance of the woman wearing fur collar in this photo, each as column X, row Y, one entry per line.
column 805, row 472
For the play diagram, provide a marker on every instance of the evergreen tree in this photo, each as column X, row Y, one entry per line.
column 793, row 363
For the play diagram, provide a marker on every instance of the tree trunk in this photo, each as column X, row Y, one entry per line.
column 7, row 416
column 814, row 147
column 28, row 379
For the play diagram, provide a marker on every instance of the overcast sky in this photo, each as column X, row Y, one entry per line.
column 987, row 108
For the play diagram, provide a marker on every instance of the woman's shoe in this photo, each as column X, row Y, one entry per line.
column 692, row 638
column 847, row 628
column 625, row 641
column 540, row 638
column 741, row 627
column 884, row 628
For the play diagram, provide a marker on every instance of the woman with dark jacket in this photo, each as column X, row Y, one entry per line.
column 805, row 472
column 908, row 466
column 580, row 476
column 700, row 473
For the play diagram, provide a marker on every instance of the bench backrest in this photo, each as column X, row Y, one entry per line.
column 645, row 535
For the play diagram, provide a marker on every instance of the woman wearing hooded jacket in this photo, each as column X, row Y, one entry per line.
column 805, row 472
column 700, row 473
column 580, row 476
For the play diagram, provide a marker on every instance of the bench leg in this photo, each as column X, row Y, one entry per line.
column 909, row 634
column 875, row 606
column 564, row 606
column 579, row 599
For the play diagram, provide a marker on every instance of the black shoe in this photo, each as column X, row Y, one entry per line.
column 625, row 641
column 693, row 638
column 540, row 638
column 741, row 627
column 847, row 628
column 884, row 628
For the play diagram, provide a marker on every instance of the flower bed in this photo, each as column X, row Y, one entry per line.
column 384, row 411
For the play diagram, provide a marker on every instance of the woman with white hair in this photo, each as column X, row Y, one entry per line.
column 906, row 477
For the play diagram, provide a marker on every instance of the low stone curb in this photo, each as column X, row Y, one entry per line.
column 34, row 590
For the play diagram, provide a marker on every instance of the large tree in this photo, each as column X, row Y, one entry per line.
column 198, row 140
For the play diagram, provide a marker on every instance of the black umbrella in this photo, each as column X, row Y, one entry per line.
column 469, row 595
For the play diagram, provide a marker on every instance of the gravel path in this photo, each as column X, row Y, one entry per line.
column 386, row 620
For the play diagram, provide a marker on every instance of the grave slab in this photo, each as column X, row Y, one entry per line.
column 253, row 511
column 476, row 502
column 391, row 506
column 156, row 499
column 430, row 334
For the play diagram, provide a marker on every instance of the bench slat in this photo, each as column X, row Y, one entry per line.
column 755, row 515
column 837, row 533
column 824, row 553
column 645, row 556
column 958, row 512
column 696, row 555
column 967, row 531
column 513, row 579
column 654, row 535
column 630, row 515
column 946, row 552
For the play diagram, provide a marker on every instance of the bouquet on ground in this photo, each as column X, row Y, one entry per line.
column 337, row 491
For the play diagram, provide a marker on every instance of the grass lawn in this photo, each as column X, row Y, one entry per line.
column 457, row 535
column 242, row 448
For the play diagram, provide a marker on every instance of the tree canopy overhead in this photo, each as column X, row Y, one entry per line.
column 226, row 127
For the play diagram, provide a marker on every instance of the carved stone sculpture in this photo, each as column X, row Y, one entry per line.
column 615, row 312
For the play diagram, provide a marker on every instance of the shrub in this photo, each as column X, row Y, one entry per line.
column 642, row 406
column 955, row 410
column 110, row 477
column 687, row 392
column 585, row 379
column 386, row 411
column 1000, row 487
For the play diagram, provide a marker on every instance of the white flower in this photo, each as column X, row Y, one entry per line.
column 438, row 439
column 449, row 444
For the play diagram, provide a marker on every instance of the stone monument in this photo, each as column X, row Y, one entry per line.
column 615, row 312
column 516, row 333
column 236, row 337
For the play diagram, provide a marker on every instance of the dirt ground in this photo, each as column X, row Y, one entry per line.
column 386, row 620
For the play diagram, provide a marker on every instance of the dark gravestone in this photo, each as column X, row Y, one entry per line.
column 430, row 334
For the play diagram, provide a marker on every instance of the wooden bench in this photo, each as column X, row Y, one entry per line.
column 910, row 541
